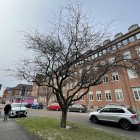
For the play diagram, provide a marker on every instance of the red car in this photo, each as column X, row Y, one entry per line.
column 54, row 106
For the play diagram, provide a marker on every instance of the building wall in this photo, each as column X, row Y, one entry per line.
column 125, row 84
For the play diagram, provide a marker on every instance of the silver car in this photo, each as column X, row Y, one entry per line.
column 125, row 117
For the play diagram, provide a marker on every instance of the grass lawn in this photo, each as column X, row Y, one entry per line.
column 48, row 129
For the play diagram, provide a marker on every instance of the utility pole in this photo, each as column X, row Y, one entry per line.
column 22, row 95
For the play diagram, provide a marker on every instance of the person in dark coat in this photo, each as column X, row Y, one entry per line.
column 7, row 110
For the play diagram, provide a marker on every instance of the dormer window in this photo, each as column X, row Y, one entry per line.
column 131, row 39
column 133, row 27
column 125, row 42
column 138, row 36
column 119, row 45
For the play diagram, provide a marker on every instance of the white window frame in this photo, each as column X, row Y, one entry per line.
column 90, row 96
column 136, row 92
column 104, row 51
column 127, row 55
column 95, row 55
column 105, row 78
column 131, row 74
column 116, row 76
column 98, row 95
column 82, row 99
column 138, row 51
column 111, row 60
column 119, row 95
column 108, row 95
column 138, row 36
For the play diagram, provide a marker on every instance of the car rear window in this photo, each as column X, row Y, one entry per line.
column 131, row 110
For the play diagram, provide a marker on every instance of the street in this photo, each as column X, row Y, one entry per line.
column 82, row 118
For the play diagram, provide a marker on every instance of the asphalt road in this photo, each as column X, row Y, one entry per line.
column 82, row 118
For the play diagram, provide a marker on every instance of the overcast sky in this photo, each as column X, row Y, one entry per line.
column 19, row 15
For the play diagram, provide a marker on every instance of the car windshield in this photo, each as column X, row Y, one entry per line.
column 18, row 105
column 131, row 110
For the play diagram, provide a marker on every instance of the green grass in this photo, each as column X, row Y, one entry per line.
column 48, row 129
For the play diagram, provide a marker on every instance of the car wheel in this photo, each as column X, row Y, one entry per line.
column 57, row 109
column 125, row 124
column 80, row 111
column 94, row 119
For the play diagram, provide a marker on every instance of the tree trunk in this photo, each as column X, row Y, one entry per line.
column 63, row 119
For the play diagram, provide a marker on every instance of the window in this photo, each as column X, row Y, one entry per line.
column 131, row 74
column 119, row 45
column 109, row 49
column 102, row 63
column 111, row 60
column 76, row 83
column 136, row 93
column 90, row 95
column 113, row 47
column 105, row 110
column 119, row 94
column 105, row 78
column 127, row 55
column 76, row 96
column 115, row 76
column 108, row 95
column 138, row 36
column 138, row 51
column 96, row 55
column 116, row 110
column 131, row 39
column 125, row 42
column 104, row 51
column 100, row 53
column 82, row 99
column 98, row 95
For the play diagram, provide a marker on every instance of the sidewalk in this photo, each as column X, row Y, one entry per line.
column 10, row 130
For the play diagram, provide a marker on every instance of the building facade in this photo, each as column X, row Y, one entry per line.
column 119, row 87
column 14, row 95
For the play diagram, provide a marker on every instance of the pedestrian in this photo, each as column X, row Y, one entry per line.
column 7, row 110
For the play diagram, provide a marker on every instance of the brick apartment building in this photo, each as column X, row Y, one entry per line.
column 7, row 92
column 14, row 94
column 124, row 86
column 120, row 87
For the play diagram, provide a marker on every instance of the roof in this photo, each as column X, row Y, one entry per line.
column 20, row 86
column 19, row 97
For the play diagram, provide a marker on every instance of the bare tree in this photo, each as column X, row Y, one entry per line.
column 65, row 57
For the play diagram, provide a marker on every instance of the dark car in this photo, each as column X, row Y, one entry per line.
column 37, row 106
column 77, row 108
column 28, row 105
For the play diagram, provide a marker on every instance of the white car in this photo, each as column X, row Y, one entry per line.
column 18, row 109
column 125, row 117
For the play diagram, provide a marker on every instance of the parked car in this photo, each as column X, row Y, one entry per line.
column 54, row 106
column 18, row 109
column 125, row 117
column 37, row 106
column 77, row 108
column 0, row 110
column 28, row 105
